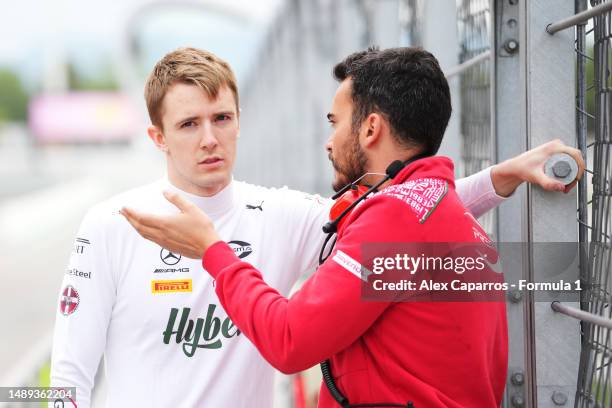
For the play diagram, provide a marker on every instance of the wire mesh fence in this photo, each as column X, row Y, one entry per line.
column 593, row 133
column 474, row 25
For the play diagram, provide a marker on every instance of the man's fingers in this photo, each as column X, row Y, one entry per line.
column 132, row 218
column 181, row 233
column 570, row 186
column 141, row 219
column 577, row 155
column 147, row 220
column 547, row 183
column 130, row 215
column 146, row 225
column 178, row 200
column 150, row 233
column 180, row 247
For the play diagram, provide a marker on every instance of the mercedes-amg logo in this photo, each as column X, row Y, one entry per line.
column 168, row 257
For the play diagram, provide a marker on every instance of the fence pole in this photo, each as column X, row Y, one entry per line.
column 549, row 78
column 511, row 221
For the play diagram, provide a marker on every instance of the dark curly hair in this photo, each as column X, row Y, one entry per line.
column 406, row 86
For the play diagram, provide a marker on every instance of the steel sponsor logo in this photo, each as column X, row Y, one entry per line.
column 79, row 245
column 69, row 301
column 171, row 286
column 78, row 274
column 241, row 249
column 168, row 257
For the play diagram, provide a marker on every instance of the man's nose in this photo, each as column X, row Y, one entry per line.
column 328, row 145
column 208, row 139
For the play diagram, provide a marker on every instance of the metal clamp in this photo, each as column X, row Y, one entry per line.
column 561, row 166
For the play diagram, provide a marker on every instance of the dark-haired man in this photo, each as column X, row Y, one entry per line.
column 391, row 105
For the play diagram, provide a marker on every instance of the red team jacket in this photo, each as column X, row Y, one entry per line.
column 435, row 354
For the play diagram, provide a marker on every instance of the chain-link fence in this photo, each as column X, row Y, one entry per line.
column 593, row 131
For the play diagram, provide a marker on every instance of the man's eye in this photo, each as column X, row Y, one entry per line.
column 221, row 118
column 189, row 123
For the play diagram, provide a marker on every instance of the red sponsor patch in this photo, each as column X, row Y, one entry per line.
column 422, row 195
column 69, row 301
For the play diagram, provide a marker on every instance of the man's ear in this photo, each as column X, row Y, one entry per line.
column 372, row 129
column 158, row 138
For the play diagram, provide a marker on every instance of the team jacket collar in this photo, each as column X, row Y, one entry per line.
column 218, row 204
column 439, row 167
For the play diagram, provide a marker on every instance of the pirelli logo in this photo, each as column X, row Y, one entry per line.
column 171, row 286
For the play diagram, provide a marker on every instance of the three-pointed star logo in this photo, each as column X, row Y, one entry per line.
column 168, row 257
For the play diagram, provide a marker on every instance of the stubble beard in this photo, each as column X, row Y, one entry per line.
column 351, row 167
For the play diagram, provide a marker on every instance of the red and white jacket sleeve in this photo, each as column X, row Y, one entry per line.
column 327, row 314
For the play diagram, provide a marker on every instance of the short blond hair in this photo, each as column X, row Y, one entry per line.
column 190, row 66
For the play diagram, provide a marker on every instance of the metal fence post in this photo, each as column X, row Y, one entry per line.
column 534, row 95
column 512, row 218
column 548, row 75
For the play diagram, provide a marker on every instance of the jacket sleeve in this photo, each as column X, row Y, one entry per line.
column 322, row 318
column 83, row 312
column 477, row 193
